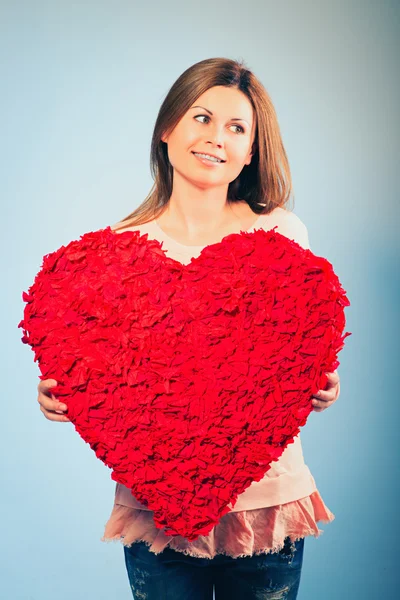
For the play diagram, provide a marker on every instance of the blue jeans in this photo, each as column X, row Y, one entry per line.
column 172, row 575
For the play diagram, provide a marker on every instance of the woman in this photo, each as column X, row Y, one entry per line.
column 220, row 167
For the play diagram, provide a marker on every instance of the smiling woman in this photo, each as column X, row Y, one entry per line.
column 220, row 167
column 207, row 152
column 216, row 107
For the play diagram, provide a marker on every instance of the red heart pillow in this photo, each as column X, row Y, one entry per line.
column 186, row 380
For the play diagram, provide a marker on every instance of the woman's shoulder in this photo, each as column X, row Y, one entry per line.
column 291, row 226
column 118, row 227
column 288, row 216
column 122, row 226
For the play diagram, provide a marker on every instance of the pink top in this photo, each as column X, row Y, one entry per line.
column 285, row 502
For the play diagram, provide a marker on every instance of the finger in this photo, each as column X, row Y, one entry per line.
column 317, row 404
column 45, row 385
column 53, row 416
column 332, row 390
column 325, row 395
column 333, row 379
column 51, row 404
column 321, row 404
column 46, row 398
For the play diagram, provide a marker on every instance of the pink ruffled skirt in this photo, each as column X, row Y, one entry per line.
column 237, row 534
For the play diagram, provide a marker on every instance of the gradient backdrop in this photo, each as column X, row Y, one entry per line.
column 81, row 85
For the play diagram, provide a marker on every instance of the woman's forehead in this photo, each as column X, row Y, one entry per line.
column 226, row 101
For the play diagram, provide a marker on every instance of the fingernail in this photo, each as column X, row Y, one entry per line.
column 62, row 407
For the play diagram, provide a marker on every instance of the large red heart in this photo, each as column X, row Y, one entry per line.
column 186, row 380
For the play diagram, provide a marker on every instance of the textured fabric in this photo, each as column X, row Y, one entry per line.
column 175, row 576
column 237, row 534
column 285, row 502
column 288, row 479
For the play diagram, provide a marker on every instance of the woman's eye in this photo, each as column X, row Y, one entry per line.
column 207, row 117
column 240, row 127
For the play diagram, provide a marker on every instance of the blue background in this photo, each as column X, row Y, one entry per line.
column 81, row 85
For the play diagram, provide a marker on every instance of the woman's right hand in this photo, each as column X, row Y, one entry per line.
column 50, row 407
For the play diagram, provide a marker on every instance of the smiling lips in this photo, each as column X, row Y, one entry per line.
column 208, row 159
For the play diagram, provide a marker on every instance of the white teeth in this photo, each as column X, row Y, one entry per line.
column 207, row 157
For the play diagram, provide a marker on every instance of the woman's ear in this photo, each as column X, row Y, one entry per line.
column 251, row 153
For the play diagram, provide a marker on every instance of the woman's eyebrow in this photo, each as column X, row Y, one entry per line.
column 209, row 111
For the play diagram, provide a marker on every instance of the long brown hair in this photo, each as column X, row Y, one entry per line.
column 264, row 184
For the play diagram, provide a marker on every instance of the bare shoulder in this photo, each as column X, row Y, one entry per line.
column 291, row 226
column 124, row 227
column 114, row 227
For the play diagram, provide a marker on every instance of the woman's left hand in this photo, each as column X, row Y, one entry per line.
column 325, row 398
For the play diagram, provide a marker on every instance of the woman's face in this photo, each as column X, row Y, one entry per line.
column 220, row 122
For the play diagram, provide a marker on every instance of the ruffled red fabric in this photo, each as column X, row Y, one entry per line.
column 237, row 534
column 186, row 380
